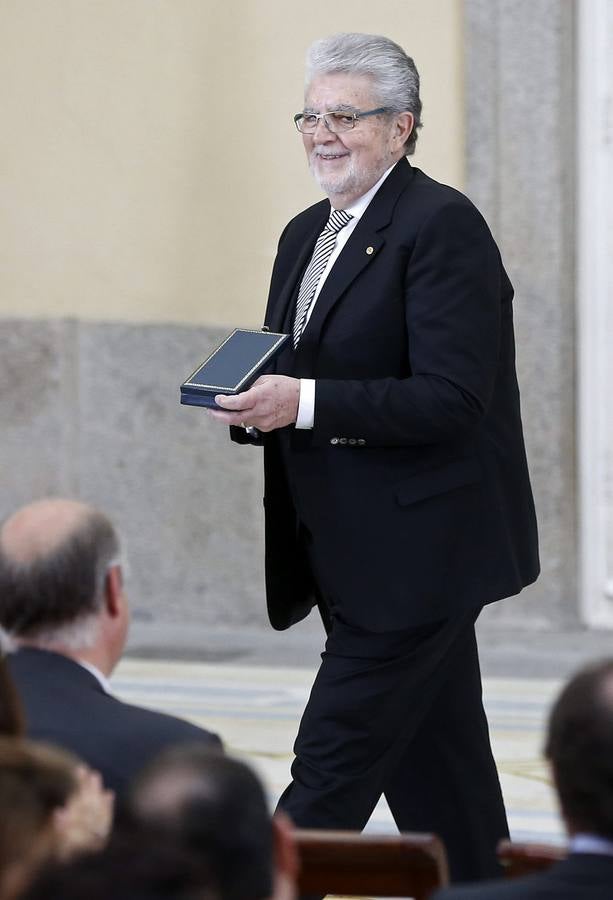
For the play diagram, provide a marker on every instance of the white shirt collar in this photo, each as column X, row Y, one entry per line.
column 100, row 678
column 358, row 208
column 590, row 843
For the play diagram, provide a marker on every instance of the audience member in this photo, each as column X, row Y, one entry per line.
column 62, row 602
column 127, row 871
column 131, row 870
column 579, row 747
column 50, row 808
column 215, row 806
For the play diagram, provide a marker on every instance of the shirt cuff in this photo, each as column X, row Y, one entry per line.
column 306, row 403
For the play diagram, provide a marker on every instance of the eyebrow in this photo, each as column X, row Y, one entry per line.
column 341, row 107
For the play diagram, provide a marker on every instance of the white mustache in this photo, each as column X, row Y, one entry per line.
column 328, row 154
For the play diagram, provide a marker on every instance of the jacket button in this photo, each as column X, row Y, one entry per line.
column 334, row 440
column 342, row 440
column 352, row 441
column 361, row 442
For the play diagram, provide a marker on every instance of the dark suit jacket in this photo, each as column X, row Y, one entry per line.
column 65, row 705
column 413, row 481
column 579, row 877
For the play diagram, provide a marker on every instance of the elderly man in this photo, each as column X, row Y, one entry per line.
column 397, row 494
column 62, row 601
column 579, row 748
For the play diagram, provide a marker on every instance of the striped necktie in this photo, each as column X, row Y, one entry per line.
column 315, row 269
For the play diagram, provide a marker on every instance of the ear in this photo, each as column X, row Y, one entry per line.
column 403, row 128
column 284, row 849
column 113, row 591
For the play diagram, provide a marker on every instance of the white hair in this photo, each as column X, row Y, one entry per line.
column 80, row 634
column 56, row 598
column 395, row 78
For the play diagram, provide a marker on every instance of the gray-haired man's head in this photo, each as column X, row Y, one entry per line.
column 393, row 75
column 55, row 556
column 361, row 113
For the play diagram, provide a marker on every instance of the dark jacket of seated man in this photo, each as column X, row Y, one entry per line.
column 68, row 705
column 580, row 877
column 63, row 604
column 579, row 748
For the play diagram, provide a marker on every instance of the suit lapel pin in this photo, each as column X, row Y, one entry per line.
column 370, row 250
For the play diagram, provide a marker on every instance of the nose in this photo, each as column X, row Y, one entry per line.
column 322, row 133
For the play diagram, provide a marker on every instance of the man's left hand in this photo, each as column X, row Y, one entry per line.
column 272, row 402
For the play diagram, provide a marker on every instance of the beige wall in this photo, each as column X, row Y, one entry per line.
column 135, row 187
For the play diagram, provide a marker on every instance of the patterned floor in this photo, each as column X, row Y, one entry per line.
column 256, row 710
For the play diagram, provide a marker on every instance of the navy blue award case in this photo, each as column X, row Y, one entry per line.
column 232, row 367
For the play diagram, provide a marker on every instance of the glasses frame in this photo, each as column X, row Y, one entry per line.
column 321, row 117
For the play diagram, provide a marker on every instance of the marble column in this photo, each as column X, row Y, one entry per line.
column 520, row 150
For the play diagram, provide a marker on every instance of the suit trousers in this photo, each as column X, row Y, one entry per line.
column 401, row 714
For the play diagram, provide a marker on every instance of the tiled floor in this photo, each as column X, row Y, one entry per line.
column 256, row 710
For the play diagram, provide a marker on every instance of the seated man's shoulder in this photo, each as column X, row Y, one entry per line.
column 125, row 738
column 488, row 890
column 476, row 891
column 149, row 724
column 555, row 883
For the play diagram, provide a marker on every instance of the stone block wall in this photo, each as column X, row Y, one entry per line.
column 92, row 411
column 520, row 113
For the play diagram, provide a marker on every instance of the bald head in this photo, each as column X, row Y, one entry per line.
column 54, row 555
column 36, row 531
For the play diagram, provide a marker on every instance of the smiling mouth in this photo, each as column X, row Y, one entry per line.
column 328, row 156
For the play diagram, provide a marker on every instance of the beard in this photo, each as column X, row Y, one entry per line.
column 352, row 180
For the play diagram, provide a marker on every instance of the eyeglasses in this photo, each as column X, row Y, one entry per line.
column 336, row 122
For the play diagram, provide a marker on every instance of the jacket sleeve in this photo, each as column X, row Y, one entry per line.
column 452, row 300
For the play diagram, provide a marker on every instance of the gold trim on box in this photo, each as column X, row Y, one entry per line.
column 261, row 360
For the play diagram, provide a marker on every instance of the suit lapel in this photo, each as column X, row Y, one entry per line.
column 359, row 252
column 301, row 250
column 361, row 249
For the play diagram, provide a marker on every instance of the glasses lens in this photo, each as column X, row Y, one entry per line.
column 306, row 124
column 335, row 122
column 338, row 121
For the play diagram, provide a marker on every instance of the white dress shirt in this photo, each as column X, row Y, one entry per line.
column 590, row 843
column 306, row 403
column 100, row 678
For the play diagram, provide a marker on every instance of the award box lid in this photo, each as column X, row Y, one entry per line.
column 235, row 363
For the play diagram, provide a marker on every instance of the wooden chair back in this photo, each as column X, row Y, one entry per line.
column 350, row 863
column 12, row 719
column 527, row 859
